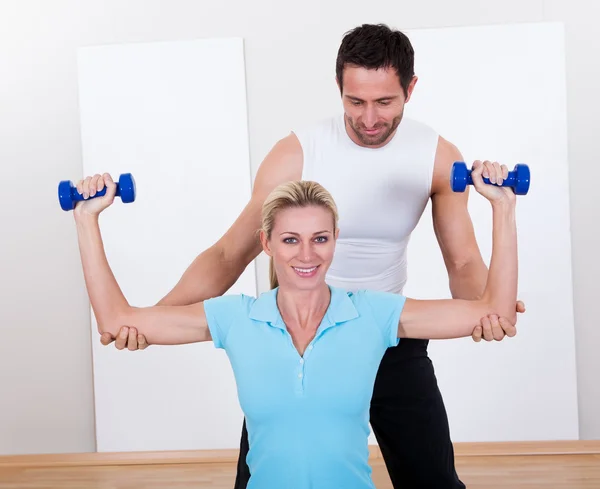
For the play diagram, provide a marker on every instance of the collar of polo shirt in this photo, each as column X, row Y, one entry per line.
column 340, row 308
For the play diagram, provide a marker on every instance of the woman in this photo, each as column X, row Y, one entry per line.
column 304, row 355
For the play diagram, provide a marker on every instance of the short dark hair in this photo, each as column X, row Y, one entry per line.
column 376, row 46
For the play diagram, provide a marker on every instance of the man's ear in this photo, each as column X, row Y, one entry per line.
column 411, row 88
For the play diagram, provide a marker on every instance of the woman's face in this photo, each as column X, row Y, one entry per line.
column 302, row 245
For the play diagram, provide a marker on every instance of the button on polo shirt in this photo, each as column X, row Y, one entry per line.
column 307, row 416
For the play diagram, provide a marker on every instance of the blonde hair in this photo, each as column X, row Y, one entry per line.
column 301, row 193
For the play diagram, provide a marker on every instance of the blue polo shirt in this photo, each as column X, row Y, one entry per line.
column 307, row 416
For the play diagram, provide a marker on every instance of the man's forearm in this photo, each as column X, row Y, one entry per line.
column 468, row 281
column 211, row 274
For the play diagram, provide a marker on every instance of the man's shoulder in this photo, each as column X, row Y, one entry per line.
column 318, row 126
column 414, row 127
column 446, row 154
column 416, row 123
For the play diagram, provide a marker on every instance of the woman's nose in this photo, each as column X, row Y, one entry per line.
column 306, row 252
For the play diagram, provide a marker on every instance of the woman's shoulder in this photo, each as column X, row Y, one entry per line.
column 370, row 295
column 375, row 300
column 230, row 304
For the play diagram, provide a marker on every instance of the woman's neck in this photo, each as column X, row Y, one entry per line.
column 303, row 308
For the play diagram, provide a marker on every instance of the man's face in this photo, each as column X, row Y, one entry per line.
column 373, row 104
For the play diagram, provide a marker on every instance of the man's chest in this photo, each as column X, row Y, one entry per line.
column 375, row 200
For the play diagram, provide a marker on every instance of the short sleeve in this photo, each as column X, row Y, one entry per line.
column 221, row 314
column 386, row 308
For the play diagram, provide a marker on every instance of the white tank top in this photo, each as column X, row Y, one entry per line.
column 381, row 194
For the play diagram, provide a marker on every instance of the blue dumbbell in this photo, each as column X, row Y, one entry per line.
column 68, row 194
column 518, row 179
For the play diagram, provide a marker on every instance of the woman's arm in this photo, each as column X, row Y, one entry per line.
column 454, row 318
column 167, row 325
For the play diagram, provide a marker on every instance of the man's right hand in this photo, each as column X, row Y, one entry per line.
column 127, row 337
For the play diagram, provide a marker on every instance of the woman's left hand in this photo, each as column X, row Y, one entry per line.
column 496, row 173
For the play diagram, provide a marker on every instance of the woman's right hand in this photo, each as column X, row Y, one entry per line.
column 496, row 173
column 88, row 188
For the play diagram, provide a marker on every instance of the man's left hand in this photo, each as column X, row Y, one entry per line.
column 495, row 328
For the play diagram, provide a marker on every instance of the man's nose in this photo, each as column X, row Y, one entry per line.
column 370, row 117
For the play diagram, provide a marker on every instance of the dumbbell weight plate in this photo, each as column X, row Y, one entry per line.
column 64, row 195
column 126, row 188
column 523, row 179
column 459, row 176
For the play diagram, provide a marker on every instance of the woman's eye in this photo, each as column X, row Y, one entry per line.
column 321, row 239
column 289, row 240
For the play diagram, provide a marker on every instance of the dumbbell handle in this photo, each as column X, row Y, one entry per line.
column 76, row 196
column 510, row 181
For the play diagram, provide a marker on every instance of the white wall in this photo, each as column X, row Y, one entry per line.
column 45, row 352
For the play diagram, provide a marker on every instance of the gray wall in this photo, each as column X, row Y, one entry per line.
column 46, row 397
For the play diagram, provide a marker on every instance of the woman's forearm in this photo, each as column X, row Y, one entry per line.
column 501, row 287
column 106, row 297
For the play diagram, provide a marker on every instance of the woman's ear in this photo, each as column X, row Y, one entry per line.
column 265, row 243
column 337, row 233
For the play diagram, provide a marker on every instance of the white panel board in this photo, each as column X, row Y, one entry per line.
column 174, row 114
column 499, row 93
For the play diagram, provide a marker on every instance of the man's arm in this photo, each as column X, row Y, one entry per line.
column 455, row 318
column 216, row 269
column 453, row 227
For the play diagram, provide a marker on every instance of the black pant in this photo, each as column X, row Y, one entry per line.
column 409, row 421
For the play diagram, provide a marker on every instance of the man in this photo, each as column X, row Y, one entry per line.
column 381, row 169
